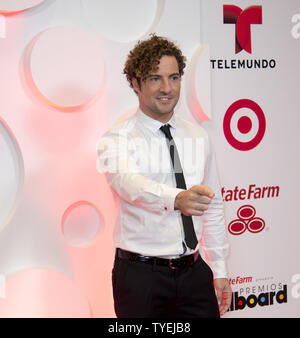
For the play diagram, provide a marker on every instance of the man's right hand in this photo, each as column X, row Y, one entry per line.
column 195, row 201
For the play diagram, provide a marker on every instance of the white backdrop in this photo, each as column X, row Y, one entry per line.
column 62, row 87
column 265, row 261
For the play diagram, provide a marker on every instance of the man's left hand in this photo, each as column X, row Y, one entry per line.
column 224, row 293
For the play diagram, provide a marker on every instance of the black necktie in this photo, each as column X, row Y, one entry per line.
column 188, row 226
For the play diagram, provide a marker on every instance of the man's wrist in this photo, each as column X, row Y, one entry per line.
column 169, row 196
column 177, row 201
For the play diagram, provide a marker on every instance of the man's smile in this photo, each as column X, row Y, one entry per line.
column 165, row 99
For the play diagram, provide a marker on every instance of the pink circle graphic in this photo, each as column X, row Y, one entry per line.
column 64, row 67
column 82, row 224
column 14, row 6
column 43, row 293
column 244, row 124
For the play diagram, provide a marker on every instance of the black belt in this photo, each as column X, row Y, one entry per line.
column 173, row 263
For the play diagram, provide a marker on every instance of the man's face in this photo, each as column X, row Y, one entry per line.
column 159, row 92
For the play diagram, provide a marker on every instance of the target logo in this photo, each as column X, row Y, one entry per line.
column 244, row 125
column 246, row 221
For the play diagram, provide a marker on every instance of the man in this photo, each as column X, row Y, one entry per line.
column 162, row 171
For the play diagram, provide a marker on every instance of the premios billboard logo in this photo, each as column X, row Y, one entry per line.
column 250, row 292
column 259, row 295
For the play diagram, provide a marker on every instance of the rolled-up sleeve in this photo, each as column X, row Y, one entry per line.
column 124, row 176
column 214, row 239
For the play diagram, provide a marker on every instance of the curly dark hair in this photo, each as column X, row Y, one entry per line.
column 145, row 57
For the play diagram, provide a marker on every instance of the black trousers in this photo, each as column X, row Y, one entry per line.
column 143, row 290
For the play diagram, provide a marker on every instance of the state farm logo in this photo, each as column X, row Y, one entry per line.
column 246, row 221
column 243, row 19
column 244, row 124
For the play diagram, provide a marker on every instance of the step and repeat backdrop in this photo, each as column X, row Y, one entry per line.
column 61, row 88
column 255, row 64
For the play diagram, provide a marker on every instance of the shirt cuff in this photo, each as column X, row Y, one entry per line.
column 219, row 269
column 168, row 198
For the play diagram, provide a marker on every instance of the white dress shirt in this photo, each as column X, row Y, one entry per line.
column 136, row 161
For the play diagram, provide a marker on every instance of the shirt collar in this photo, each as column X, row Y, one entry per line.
column 153, row 124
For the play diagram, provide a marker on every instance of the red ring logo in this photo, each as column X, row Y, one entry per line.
column 244, row 125
column 246, row 221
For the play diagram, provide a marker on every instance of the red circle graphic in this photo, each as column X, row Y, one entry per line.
column 256, row 224
column 237, row 227
column 244, row 125
column 246, row 212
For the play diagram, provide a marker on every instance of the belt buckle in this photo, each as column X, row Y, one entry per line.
column 171, row 266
